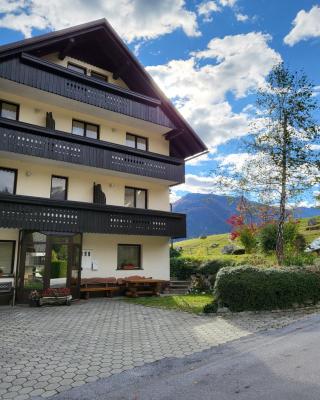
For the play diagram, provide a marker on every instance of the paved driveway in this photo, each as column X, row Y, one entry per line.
column 44, row 351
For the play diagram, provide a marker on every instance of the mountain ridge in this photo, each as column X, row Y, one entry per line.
column 207, row 214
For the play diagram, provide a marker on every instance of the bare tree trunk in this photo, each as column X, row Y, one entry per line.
column 283, row 198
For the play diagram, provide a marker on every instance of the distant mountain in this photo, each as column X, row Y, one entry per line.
column 207, row 213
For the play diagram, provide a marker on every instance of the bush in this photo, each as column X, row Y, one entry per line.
column 250, row 288
column 211, row 307
column 294, row 258
column 267, row 236
column 175, row 251
column 248, row 239
column 212, row 267
column 183, row 267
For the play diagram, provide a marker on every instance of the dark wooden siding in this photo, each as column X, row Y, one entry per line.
column 22, row 138
column 43, row 75
column 25, row 212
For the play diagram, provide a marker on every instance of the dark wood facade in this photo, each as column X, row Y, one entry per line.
column 44, row 75
column 42, row 214
column 21, row 138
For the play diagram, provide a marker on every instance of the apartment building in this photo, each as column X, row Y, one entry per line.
column 89, row 148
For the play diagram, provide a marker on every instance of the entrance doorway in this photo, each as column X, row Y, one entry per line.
column 49, row 260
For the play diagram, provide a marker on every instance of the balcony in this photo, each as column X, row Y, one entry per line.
column 21, row 138
column 49, row 77
column 24, row 212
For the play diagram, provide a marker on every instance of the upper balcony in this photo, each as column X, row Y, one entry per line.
column 24, row 212
column 31, row 140
column 52, row 78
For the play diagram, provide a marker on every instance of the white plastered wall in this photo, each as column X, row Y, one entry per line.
column 34, row 112
column 154, row 254
column 55, row 59
column 34, row 179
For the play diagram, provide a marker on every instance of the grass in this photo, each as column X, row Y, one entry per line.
column 189, row 302
column 202, row 248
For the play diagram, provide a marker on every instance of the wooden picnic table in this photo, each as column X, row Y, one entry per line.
column 143, row 286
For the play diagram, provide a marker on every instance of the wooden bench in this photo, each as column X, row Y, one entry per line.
column 144, row 286
column 94, row 285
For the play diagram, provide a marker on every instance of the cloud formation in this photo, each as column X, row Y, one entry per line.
column 199, row 85
column 132, row 19
column 306, row 25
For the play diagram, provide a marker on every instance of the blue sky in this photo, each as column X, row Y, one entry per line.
column 209, row 57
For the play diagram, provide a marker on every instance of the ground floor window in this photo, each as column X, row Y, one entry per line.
column 7, row 250
column 129, row 256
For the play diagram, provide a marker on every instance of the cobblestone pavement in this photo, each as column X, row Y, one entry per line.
column 44, row 351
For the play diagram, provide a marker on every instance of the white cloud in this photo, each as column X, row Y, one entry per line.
column 200, row 184
column 227, row 3
column 234, row 64
column 206, row 9
column 306, row 25
column 132, row 19
column 242, row 17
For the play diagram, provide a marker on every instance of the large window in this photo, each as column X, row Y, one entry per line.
column 9, row 110
column 82, row 128
column 7, row 249
column 134, row 197
column 129, row 256
column 77, row 68
column 8, row 179
column 59, row 188
column 137, row 142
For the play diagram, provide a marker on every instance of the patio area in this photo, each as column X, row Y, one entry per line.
column 49, row 350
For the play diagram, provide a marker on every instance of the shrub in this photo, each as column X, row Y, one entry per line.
column 211, row 307
column 183, row 267
column 251, row 288
column 294, row 258
column 175, row 251
column 212, row 267
column 267, row 236
column 247, row 237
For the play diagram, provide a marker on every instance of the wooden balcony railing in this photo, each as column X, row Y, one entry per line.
column 34, row 213
column 44, row 75
column 27, row 139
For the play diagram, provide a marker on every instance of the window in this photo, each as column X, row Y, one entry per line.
column 82, row 128
column 9, row 110
column 137, row 142
column 134, row 197
column 77, row 68
column 129, row 256
column 7, row 250
column 59, row 188
column 101, row 77
column 8, row 180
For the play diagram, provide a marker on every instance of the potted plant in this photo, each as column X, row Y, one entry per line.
column 34, row 299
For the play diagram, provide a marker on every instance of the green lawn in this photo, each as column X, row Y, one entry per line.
column 190, row 303
column 202, row 248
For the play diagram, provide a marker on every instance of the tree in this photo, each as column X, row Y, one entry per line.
column 281, row 160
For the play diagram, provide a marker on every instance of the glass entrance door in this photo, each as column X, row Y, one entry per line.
column 49, row 260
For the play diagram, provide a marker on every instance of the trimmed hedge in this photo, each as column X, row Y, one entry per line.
column 248, row 288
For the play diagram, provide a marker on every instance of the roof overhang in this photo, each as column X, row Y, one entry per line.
column 87, row 42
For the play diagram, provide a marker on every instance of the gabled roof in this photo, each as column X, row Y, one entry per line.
column 98, row 44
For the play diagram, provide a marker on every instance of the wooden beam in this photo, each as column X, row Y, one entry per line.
column 173, row 134
column 63, row 52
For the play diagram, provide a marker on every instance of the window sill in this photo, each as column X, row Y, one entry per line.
column 135, row 269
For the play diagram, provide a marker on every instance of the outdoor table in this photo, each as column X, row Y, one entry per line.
column 138, row 287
